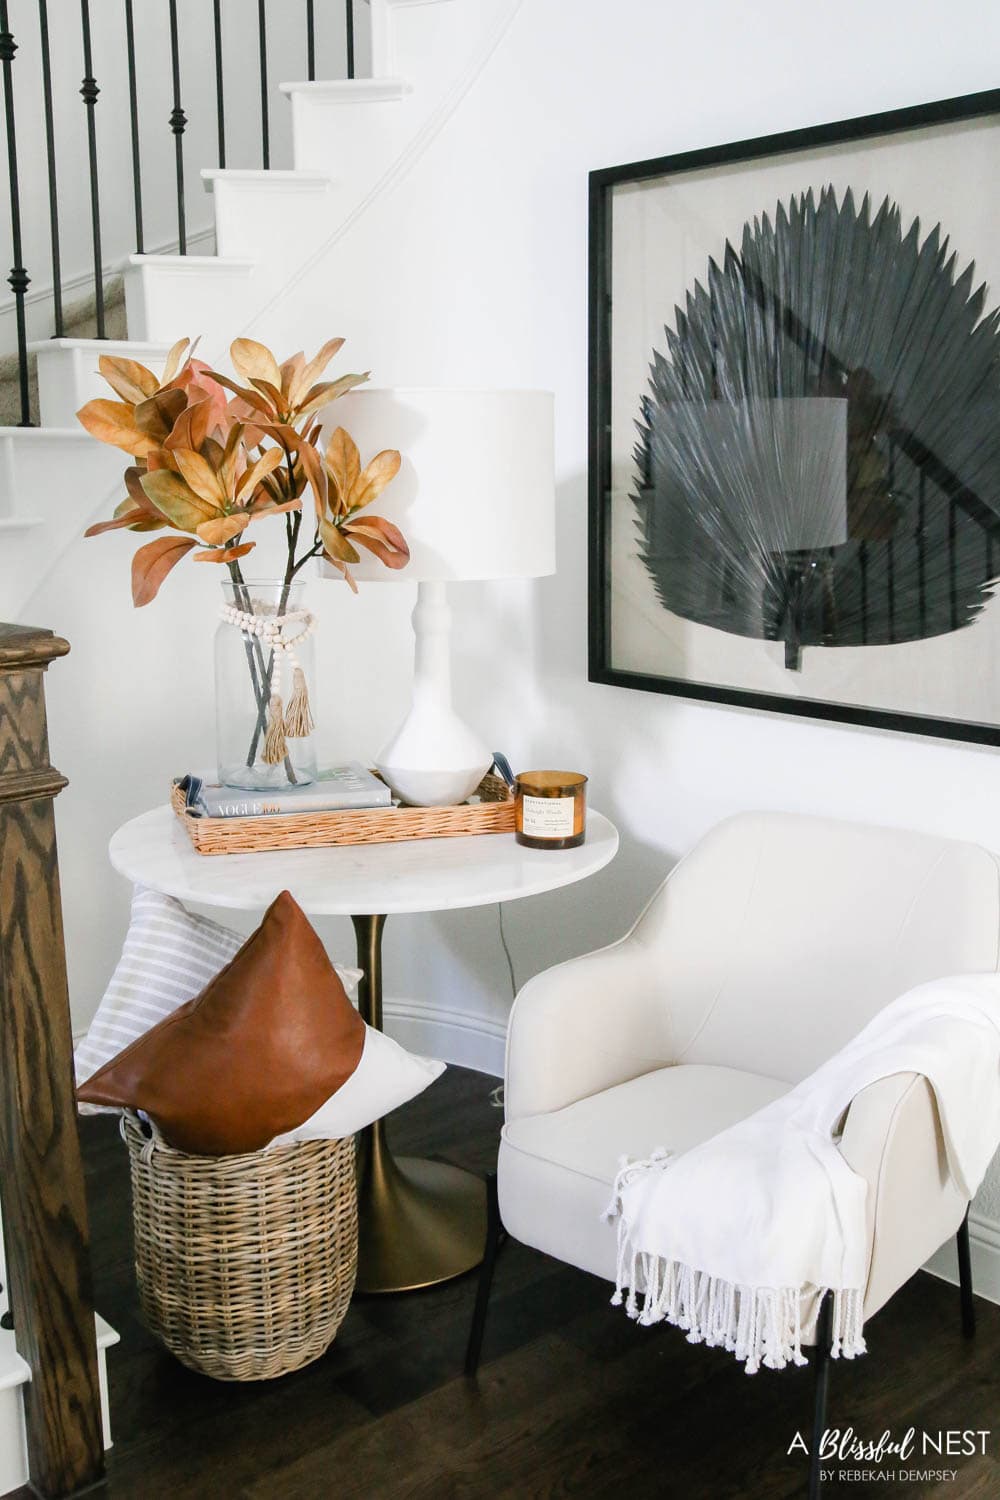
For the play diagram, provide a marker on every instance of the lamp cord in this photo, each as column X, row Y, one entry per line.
column 506, row 953
column 496, row 1095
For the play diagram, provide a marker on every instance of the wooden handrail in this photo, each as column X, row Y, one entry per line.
column 41, row 1176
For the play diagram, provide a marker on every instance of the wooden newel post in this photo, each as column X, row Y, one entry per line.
column 41, row 1177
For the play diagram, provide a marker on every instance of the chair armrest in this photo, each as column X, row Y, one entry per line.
column 892, row 1138
column 584, row 1026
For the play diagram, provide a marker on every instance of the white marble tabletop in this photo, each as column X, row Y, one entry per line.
column 360, row 879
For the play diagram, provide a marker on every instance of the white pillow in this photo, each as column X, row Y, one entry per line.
column 169, row 956
column 386, row 1077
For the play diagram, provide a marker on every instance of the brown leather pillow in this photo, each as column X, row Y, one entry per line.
column 256, row 1053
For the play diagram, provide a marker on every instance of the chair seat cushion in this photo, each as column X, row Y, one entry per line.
column 556, row 1170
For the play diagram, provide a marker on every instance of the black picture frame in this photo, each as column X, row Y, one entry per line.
column 602, row 182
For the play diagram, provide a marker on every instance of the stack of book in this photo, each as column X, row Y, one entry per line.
column 338, row 789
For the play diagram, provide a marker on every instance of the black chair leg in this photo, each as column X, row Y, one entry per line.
column 965, row 1279
column 821, row 1362
column 494, row 1238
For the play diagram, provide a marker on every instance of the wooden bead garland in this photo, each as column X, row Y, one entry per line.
column 297, row 721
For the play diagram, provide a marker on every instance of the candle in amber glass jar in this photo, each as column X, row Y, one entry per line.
column 550, row 809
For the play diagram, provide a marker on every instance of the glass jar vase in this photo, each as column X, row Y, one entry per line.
column 264, row 675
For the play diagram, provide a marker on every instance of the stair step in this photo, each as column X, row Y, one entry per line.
column 57, row 476
column 68, row 374
column 349, row 90
column 170, row 296
column 385, row 30
column 335, row 124
column 265, row 177
column 15, row 1373
column 249, row 220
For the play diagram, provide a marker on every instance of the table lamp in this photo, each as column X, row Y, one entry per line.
column 475, row 499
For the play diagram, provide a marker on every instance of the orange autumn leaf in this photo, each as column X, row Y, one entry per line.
column 152, row 563
column 224, row 554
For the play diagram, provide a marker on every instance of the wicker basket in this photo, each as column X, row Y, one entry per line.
column 245, row 1264
column 494, row 813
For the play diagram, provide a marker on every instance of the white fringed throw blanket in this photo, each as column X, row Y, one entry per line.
column 723, row 1240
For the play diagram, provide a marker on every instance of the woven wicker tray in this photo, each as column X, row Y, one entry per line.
column 494, row 813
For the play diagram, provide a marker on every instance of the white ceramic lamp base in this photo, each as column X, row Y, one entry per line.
column 433, row 759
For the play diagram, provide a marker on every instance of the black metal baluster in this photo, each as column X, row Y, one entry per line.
column 18, row 278
column 349, row 22
column 219, row 94
column 50, row 154
column 89, row 92
column 133, row 104
column 178, row 120
column 310, row 41
column 265, row 134
column 863, row 570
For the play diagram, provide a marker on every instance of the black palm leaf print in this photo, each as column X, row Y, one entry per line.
column 818, row 458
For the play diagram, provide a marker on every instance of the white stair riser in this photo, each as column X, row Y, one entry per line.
column 168, row 297
column 407, row 35
column 21, row 568
column 13, row 1447
column 256, row 218
column 63, row 482
column 354, row 140
column 60, row 477
column 13, row 1452
column 429, row 41
column 68, row 375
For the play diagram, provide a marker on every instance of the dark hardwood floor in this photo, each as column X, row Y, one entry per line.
column 571, row 1400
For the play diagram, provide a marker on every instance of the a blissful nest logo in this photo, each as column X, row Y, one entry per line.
column 891, row 1459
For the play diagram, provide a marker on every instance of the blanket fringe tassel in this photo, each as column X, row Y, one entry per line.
column 759, row 1325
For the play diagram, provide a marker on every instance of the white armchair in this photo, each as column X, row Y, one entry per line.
column 765, row 950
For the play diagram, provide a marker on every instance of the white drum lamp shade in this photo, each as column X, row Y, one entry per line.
column 474, row 495
column 475, row 499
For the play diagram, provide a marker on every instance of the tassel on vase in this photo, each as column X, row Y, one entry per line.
column 298, row 717
column 275, row 748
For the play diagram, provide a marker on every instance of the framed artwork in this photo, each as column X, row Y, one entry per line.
column 795, row 422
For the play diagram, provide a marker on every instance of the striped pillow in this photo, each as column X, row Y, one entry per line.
column 169, row 956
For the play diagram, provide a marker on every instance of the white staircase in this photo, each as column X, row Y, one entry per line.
column 351, row 139
column 351, row 142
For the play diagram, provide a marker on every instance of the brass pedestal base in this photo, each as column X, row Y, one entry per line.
column 419, row 1222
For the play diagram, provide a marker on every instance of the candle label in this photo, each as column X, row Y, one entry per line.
column 548, row 817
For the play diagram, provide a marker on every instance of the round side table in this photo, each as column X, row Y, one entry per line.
column 419, row 1222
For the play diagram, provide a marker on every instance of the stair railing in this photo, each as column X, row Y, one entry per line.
column 339, row 22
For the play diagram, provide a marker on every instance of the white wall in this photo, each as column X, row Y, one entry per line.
column 473, row 269
column 286, row 54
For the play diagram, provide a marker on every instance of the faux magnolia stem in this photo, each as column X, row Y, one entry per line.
column 290, row 571
column 255, row 661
